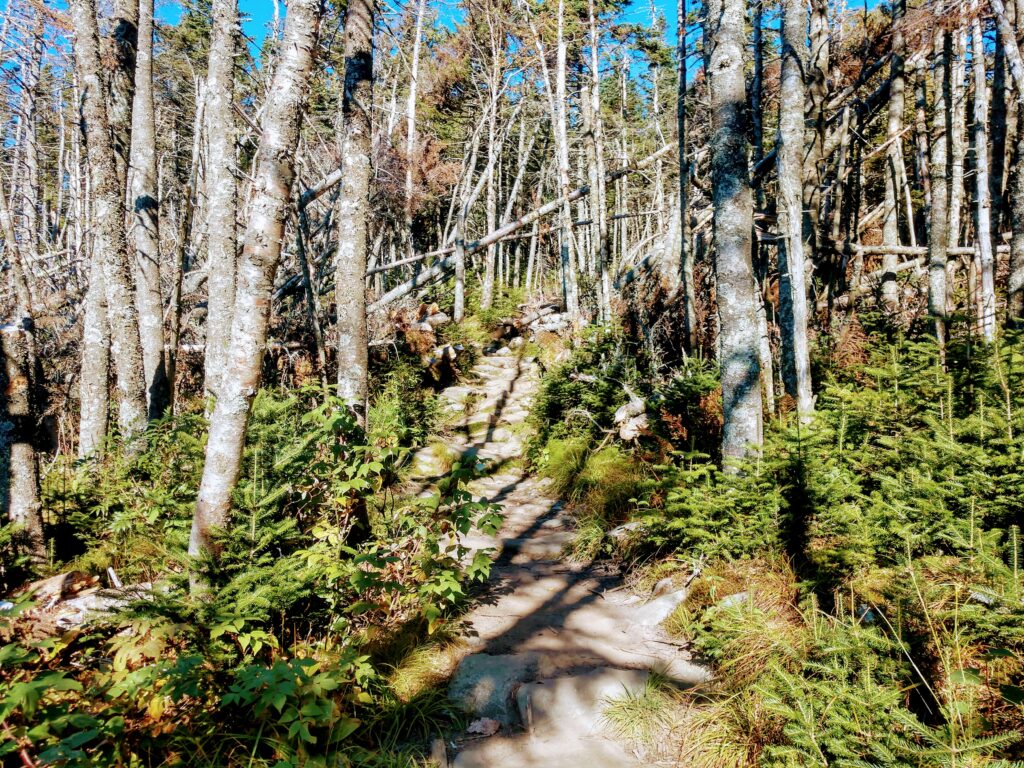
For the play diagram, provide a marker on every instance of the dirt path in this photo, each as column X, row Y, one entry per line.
column 550, row 641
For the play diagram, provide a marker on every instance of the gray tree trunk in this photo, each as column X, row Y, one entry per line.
column 121, row 47
column 817, row 93
column 685, row 252
column 354, row 208
column 146, row 220
column 938, row 214
column 724, row 42
column 258, row 264
column 894, row 159
column 796, row 363
column 983, row 203
column 221, row 193
column 568, row 252
column 410, row 127
column 19, row 471
column 109, row 229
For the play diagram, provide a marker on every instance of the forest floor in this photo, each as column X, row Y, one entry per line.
column 548, row 643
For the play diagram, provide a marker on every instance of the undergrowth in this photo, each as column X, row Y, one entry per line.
column 306, row 646
column 859, row 590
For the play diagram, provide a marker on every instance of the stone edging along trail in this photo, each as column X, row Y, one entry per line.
column 549, row 642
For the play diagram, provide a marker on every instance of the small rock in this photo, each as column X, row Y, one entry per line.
column 659, row 609
column 625, row 531
column 664, row 586
column 485, row 726
column 734, row 599
column 437, row 319
column 516, row 343
column 439, row 753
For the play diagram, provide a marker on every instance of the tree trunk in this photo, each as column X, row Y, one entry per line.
column 221, row 193
column 108, row 229
column 566, row 247
column 894, row 159
column 354, row 208
column 724, row 41
column 121, row 51
column 410, row 128
column 181, row 251
column 938, row 215
column 983, row 204
column 685, row 252
column 817, row 93
column 257, row 266
column 796, row 364
column 146, row 209
column 957, row 139
column 19, row 415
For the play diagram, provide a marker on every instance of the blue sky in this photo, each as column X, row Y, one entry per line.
column 258, row 13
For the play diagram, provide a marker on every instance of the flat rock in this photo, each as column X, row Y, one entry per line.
column 576, row 703
column 485, row 685
column 528, row 752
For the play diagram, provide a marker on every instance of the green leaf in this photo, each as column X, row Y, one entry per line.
column 966, row 676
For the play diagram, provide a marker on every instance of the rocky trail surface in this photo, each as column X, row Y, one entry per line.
column 550, row 642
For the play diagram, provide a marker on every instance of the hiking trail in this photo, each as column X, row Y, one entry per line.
column 549, row 641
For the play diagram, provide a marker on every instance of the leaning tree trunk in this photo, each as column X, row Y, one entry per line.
column 221, row 193
column 261, row 252
column 796, row 364
column 354, row 208
column 724, row 41
column 938, row 215
column 108, row 222
column 146, row 222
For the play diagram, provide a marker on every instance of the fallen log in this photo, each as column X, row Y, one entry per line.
column 444, row 265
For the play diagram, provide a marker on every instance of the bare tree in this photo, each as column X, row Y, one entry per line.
column 108, row 222
column 938, row 215
column 724, row 42
column 261, row 252
column 796, row 364
column 894, row 157
column 221, row 192
column 146, row 220
column 353, row 207
column 983, row 193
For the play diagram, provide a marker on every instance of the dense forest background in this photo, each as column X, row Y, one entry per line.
column 769, row 257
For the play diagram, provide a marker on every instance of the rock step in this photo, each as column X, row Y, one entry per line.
column 575, row 704
column 530, row 752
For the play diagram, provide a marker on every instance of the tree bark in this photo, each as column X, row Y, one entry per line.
column 938, row 215
column 724, row 41
column 221, row 193
column 121, row 50
column 410, row 128
column 109, row 229
column 685, row 252
column 146, row 220
column 354, row 208
column 817, row 93
column 894, row 158
column 260, row 255
column 19, row 414
column 983, row 203
column 796, row 364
